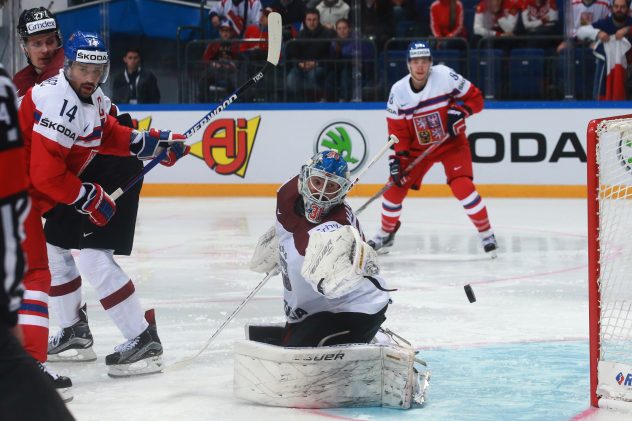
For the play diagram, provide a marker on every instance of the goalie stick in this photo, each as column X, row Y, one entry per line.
column 274, row 52
column 408, row 169
column 187, row 361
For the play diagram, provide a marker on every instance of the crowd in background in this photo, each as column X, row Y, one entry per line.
column 321, row 32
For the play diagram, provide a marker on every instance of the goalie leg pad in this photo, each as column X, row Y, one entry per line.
column 357, row 375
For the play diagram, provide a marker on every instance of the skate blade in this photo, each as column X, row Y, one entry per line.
column 73, row 356
column 492, row 254
column 146, row 366
column 65, row 393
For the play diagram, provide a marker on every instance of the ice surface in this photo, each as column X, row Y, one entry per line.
column 519, row 352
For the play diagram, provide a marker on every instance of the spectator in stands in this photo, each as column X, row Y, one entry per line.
column 585, row 12
column 539, row 17
column 136, row 84
column 377, row 20
column 403, row 10
column 292, row 15
column 446, row 21
column 610, row 81
column 307, row 73
column 496, row 18
column 292, row 11
column 331, row 11
column 257, row 50
column 237, row 13
column 343, row 50
column 221, row 56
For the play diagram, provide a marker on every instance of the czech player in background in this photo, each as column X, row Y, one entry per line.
column 426, row 107
column 65, row 122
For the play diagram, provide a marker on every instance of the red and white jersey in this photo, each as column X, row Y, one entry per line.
column 489, row 24
column 62, row 134
column 419, row 118
column 535, row 15
column 235, row 13
column 584, row 14
column 293, row 231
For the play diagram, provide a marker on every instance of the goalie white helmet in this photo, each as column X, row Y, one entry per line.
column 323, row 183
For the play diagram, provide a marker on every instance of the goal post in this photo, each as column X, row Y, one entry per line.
column 609, row 184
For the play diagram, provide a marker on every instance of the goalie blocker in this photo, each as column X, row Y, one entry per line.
column 355, row 375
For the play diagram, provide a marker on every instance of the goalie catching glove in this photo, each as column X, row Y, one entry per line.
column 266, row 256
column 148, row 145
column 337, row 261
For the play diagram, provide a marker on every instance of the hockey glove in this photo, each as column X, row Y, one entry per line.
column 396, row 165
column 456, row 120
column 148, row 145
column 97, row 204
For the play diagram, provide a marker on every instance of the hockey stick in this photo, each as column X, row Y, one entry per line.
column 187, row 361
column 274, row 51
column 392, row 139
column 408, row 169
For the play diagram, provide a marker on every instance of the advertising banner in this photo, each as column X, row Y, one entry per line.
column 523, row 148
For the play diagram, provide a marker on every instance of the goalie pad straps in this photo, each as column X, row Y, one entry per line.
column 265, row 258
column 336, row 262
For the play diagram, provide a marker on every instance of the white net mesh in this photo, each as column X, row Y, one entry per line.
column 614, row 161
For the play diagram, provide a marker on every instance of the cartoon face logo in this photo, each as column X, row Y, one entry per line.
column 345, row 138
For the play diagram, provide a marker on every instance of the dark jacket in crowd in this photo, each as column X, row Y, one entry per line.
column 311, row 50
column 141, row 87
column 377, row 20
column 292, row 13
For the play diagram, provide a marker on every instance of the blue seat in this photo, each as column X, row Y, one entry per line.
column 486, row 71
column 526, row 73
column 394, row 66
column 451, row 58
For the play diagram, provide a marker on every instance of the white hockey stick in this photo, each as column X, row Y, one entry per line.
column 275, row 37
column 187, row 361
column 392, row 139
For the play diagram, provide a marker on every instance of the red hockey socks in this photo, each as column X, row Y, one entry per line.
column 464, row 190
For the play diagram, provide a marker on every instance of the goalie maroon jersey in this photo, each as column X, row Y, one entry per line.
column 62, row 134
column 418, row 119
column 293, row 230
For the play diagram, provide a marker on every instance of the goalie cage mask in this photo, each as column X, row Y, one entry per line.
column 323, row 184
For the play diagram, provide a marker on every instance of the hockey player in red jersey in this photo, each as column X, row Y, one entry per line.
column 25, row 392
column 426, row 107
column 41, row 42
column 65, row 123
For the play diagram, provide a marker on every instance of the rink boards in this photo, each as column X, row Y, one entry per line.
column 248, row 150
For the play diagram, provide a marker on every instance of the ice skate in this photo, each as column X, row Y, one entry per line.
column 62, row 384
column 489, row 243
column 74, row 343
column 383, row 241
column 140, row 355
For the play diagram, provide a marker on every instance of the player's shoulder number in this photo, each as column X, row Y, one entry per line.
column 68, row 110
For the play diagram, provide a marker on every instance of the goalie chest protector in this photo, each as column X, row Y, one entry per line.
column 293, row 229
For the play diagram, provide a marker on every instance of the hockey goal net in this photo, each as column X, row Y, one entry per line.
column 610, row 261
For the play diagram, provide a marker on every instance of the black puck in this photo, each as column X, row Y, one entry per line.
column 470, row 293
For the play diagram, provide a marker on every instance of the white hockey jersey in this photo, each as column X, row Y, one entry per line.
column 587, row 14
column 419, row 118
column 62, row 134
column 293, row 230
